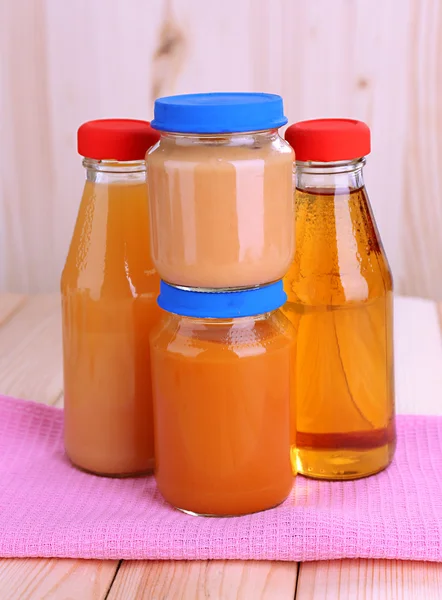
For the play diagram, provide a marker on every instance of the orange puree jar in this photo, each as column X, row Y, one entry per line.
column 220, row 184
column 222, row 370
column 109, row 288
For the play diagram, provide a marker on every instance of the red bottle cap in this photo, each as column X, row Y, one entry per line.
column 116, row 139
column 329, row 140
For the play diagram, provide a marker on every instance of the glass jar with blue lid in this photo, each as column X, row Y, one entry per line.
column 220, row 188
column 222, row 371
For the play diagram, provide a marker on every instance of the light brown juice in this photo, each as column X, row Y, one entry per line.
column 340, row 301
column 109, row 289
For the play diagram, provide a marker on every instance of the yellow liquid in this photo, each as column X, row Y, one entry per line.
column 109, row 290
column 340, row 301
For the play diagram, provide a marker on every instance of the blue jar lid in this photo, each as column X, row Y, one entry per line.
column 218, row 113
column 221, row 305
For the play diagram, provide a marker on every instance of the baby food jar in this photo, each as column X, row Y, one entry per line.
column 340, row 300
column 220, row 184
column 109, row 288
column 222, row 371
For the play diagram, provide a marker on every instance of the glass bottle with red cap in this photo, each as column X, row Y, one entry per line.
column 109, row 289
column 340, row 300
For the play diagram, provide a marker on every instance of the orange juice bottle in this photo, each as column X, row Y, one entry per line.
column 222, row 371
column 109, row 289
column 340, row 300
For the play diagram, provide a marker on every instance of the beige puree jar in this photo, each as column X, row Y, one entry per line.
column 220, row 189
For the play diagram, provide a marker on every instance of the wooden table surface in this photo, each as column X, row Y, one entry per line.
column 30, row 368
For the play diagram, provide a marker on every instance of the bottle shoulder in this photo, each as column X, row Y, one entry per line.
column 222, row 340
column 339, row 255
column 109, row 250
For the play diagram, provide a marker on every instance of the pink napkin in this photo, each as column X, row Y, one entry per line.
column 48, row 508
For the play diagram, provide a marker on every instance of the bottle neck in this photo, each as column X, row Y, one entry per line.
column 345, row 175
column 112, row 171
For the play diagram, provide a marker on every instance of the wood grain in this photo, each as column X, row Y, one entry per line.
column 422, row 210
column 198, row 580
column 326, row 58
column 30, row 351
column 54, row 579
column 9, row 304
column 418, row 357
column 370, row 580
column 439, row 314
column 26, row 183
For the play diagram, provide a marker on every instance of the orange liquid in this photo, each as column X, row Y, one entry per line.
column 109, row 289
column 222, row 393
column 340, row 301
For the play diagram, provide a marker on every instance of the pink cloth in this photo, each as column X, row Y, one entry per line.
column 48, row 508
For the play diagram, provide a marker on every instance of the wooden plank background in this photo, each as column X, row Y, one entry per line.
column 62, row 63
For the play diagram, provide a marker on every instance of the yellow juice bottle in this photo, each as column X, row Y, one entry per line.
column 340, row 300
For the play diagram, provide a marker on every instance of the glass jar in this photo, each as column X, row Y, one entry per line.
column 340, row 300
column 220, row 188
column 222, row 371
column 109, row 288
